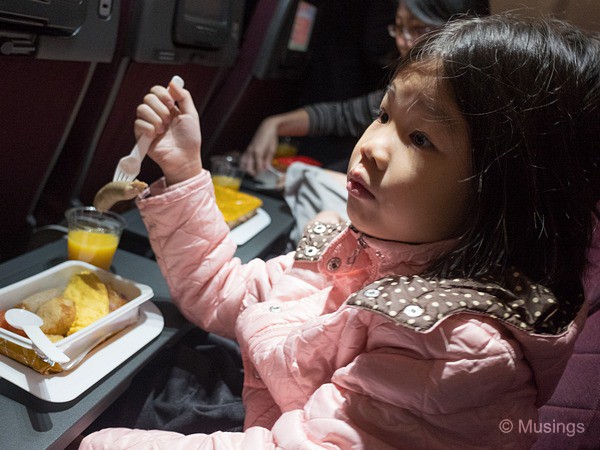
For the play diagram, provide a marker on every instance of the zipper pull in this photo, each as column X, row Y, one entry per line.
column 362, row 245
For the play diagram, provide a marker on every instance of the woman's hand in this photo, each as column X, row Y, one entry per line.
column 262, row 148
column 169, row 116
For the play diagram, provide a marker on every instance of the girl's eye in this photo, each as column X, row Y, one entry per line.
column 382, row 116
column 420, row 140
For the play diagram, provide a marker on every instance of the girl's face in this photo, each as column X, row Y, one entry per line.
column 408, row 177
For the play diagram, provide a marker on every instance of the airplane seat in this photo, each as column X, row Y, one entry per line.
column 571, row 418
column 235, row 111
column 39, row 99
column 65, row 177
column 48, row 53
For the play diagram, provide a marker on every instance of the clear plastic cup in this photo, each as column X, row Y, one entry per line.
column 226, row 172
column 93, row 235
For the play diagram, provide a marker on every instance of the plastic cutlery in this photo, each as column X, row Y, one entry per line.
column 30, row 323
column 129, row 166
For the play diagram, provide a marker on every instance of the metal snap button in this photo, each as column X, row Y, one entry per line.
column 311, row 250
column 413, row 311
column 334, row 264
column 372, row 293
column 319, row 228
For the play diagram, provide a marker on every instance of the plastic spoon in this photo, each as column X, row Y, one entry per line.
column 30, row 323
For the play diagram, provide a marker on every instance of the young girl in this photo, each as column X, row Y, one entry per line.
column 309, row 190
column 443, row 316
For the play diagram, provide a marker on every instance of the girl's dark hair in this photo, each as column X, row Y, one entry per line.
column 530, row 93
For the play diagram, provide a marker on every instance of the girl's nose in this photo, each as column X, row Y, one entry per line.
column 376, row 149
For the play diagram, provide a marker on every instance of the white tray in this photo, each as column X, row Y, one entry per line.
column 58, row 277
column 66, row 386
column 246, row 231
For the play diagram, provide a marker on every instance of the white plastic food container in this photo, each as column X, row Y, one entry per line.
column 85, row 339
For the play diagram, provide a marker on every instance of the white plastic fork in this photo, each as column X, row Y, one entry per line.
column 129, row 166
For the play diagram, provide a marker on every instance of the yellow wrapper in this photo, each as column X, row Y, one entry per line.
column 28, row 357
column 90, row 296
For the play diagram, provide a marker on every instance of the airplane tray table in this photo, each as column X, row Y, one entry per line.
column 28, row 422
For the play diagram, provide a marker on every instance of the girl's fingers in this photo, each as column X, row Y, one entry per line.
column 160, row 108
column 154, row 122
column 183, row 98
column 142, row 127
column 163, row 95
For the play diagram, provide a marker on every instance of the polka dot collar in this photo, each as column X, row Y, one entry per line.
column 317, row 236
column 420, row 303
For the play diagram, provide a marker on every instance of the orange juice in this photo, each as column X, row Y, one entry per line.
column 285, row 148
column 227, row 181
column 92, row 247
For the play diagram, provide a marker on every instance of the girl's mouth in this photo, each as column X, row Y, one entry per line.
column 356, row 188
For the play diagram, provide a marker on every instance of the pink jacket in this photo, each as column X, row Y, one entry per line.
column 345, row 346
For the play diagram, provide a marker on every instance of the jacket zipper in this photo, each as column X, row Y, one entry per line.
column 362, row 245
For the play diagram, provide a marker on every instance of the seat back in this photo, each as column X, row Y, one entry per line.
column 571, row 418
column 236, row 109
column 45, row 73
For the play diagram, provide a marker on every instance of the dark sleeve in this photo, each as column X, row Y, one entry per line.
column 346, row 118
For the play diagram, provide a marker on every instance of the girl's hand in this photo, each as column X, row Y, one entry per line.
column 169, row 116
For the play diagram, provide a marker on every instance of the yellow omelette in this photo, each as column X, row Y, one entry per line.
column 90, row 296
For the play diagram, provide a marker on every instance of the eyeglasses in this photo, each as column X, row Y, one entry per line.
column 410, row 34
